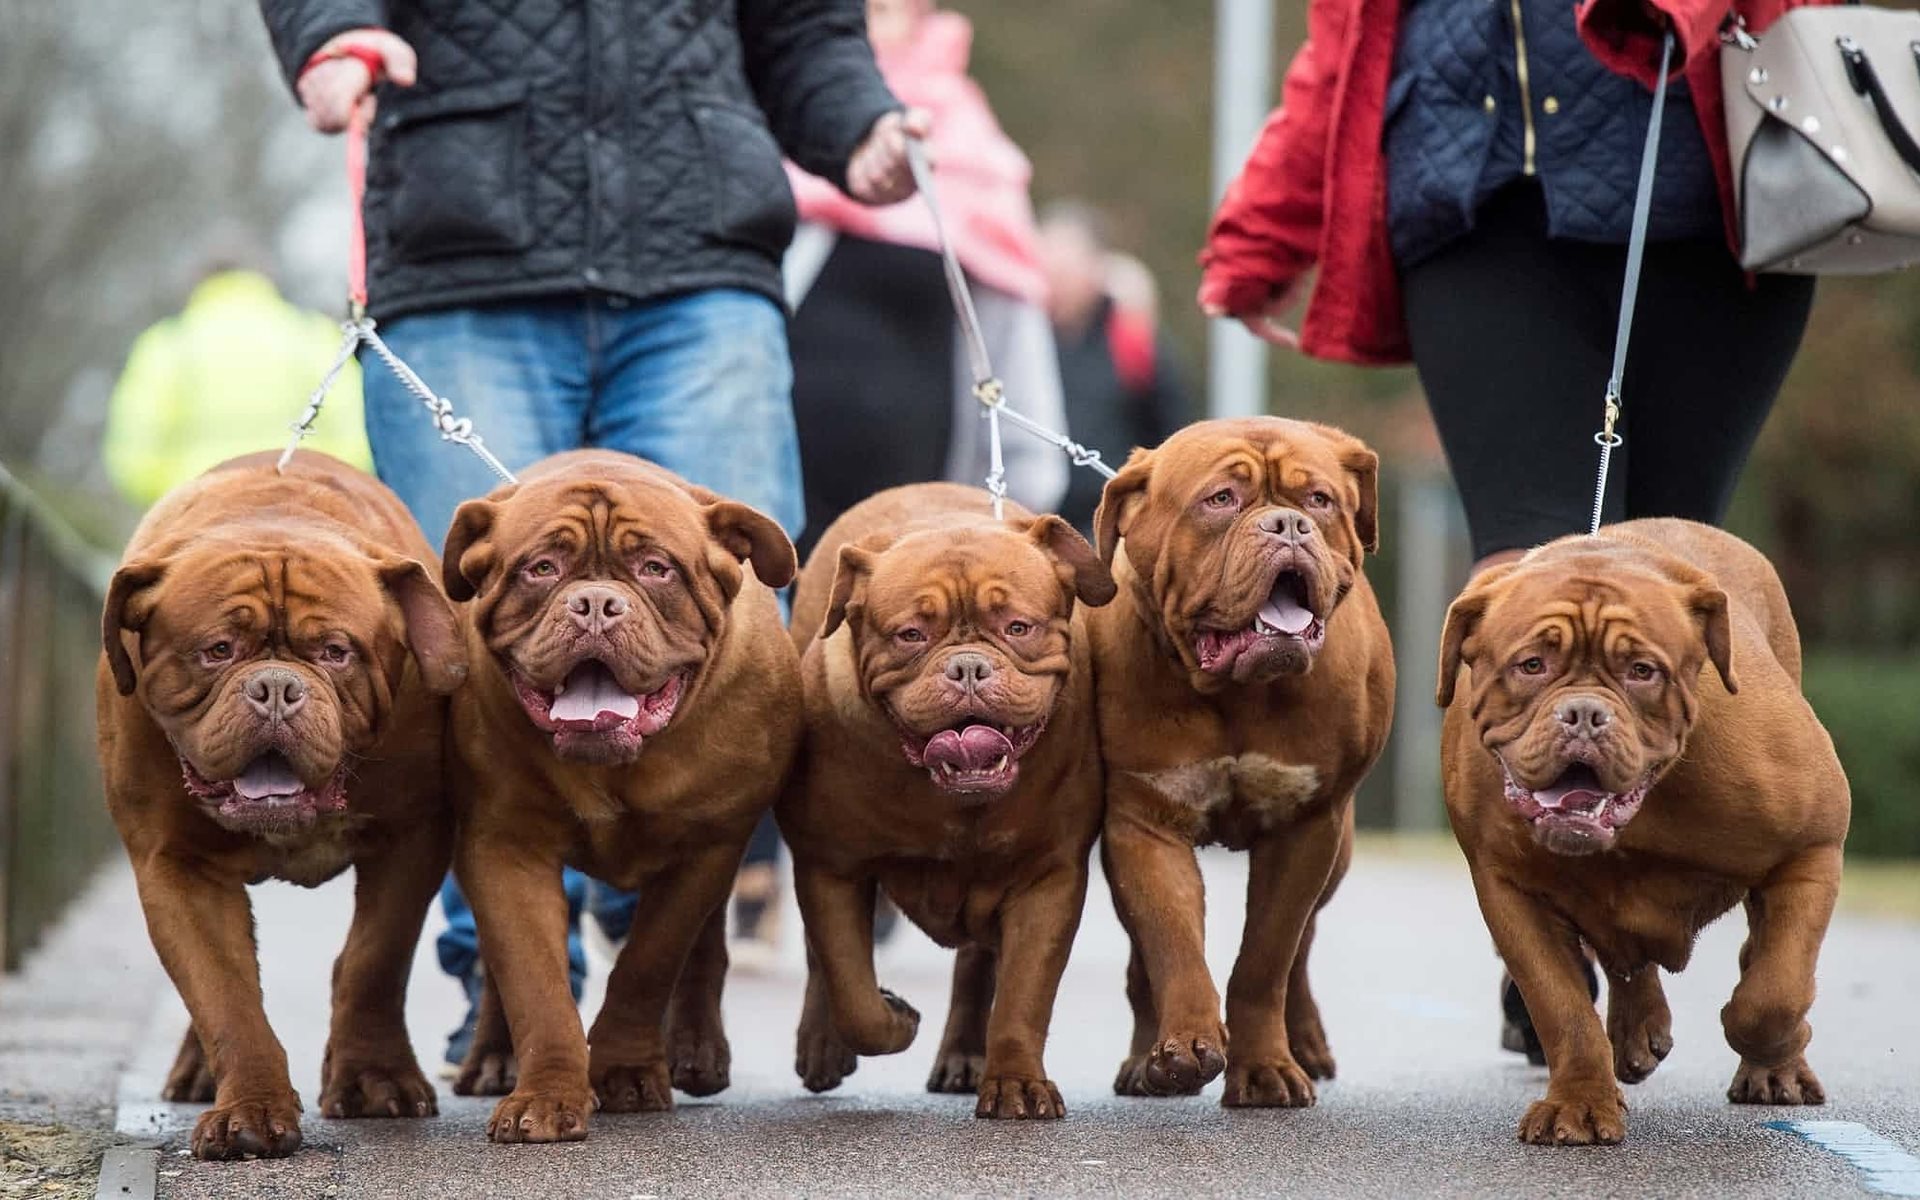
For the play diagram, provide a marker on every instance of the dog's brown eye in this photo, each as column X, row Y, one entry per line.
column 911, row 634
column 219, row 652
column 1320, row 500
column 1224, row 498
column 1534, row 666
column 335, row 653
column 1643, row 672
column 653, row 568
column 544, row 568
column 1018, row 628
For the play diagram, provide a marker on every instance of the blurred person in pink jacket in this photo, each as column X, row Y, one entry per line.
column 882, row 389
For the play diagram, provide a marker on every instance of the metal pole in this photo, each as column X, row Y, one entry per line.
column 1242, row 96
column 1423, row 542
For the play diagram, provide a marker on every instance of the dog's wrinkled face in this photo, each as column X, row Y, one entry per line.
column 962, row 637
column 1585, row 660
column 1244, row 536
column 603, row 586
column 272, row 667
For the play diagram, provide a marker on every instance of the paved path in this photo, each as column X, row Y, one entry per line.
column 1425, row 1104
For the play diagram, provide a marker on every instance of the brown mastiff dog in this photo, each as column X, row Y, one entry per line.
column 1608, row 788
column 635, row 708
column 950, row 759
column 260, row 717
column 1245, row 687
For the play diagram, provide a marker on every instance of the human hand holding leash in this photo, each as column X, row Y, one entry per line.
column 878, row 172
column 342, row 73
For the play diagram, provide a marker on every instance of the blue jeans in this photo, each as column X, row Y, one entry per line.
column 700, row 383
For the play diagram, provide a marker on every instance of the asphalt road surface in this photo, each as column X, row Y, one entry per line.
column 1425, row 1103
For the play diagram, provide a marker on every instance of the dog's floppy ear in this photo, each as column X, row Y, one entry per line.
column 1080, row 568
column 850, row 573
column 1121, row 498
column 433, row 634
column 751, row 536
column 1463, row 617
column 1364, row 465
column 125, row 611
column 1708, row 604
column 468, row 557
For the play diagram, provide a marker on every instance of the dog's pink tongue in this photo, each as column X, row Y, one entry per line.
column 268, row 775
column 589, row 691
column 1572, row 798
column 975, row 748
column 1285, row 613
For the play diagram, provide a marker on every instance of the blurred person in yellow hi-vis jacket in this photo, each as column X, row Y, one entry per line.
column 225, row 376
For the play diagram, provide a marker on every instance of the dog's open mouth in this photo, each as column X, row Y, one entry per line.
column 971, row 755
column 1576, row 814
column 1284, row 618
column 267, row 796
column 591, row 702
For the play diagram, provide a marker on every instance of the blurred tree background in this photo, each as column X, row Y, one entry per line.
column 128, row 130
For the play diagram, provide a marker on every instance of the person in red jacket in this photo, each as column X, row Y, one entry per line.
column 1461, row 173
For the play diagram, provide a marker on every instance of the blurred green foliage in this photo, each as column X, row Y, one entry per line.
column 1871, row 705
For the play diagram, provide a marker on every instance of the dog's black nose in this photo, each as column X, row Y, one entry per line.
column 969, row 668
column 595, row 608
column 1289, row 525
column 1583, row 716
column 276, row 693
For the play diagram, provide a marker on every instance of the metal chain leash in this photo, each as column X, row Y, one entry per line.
column 358, row 330
column 987, row 388
column 1607, row 439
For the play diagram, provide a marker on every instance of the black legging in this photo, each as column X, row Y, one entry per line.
column 1513, row 337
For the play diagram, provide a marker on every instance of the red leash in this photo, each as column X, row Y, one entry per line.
column 358, row 330
column 357, row 126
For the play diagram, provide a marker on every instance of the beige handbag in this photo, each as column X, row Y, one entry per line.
column 1822, row 114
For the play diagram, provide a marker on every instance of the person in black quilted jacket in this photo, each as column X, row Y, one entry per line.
column 575, row 215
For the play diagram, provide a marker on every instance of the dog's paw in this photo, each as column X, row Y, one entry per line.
column 1005, row 1098
column 1640, row 1043
column 702, row 1061
column 1789, row 1083
column 820, row 1058
column 392, row 1088
column 1594, row 1117
column 1639, row 1025
column 892, row 1034
column 528, row 1116
column 249, row 1129
column 1279, row 1084
column 1309, row 1044
column 488, row 1071
column 1180, row 1065
column 957, row 1073
column 634, row 1087
column 191, row 1079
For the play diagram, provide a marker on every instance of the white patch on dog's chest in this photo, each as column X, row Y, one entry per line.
column 1256, row 784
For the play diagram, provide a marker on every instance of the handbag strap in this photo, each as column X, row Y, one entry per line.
column 1630, row 287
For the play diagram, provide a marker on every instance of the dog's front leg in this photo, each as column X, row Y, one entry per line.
column 1583, row 1103
column 202, row 928
column 697, row 1047
column 839, row 917
column 961, row 1062
column 628, row 1063
column 513, row 883
column 1288, row 874
column 1766, row 1020
column 1037, row 926
column 369, row 1069
column 1162, row 903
